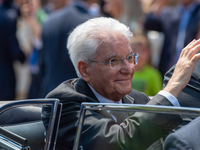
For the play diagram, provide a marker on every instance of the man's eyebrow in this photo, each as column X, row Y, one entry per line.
column 117, row 55
column 131, row 51
column 112, row 56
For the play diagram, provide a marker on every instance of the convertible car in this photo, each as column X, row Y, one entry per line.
column 22, row 127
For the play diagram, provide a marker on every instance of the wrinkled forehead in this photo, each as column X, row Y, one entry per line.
column 114, row 44
column 114, row 40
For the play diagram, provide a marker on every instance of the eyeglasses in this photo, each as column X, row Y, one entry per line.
column 116, row 62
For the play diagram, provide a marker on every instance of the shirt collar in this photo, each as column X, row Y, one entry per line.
column 101, row 98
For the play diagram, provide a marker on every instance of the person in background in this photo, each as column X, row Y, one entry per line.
column 198, row 32
column 55, row 64
column 29, row 35
column 185, row 138
column 54, row 5
column 105, row 63
column 146, row 78
column 101, row 8
column 10, row 51
column 128, row 12
column 178, row 23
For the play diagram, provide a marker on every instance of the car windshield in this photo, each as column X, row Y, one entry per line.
column 149, row 132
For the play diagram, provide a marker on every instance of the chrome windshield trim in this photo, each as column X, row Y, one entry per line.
column 129, row 107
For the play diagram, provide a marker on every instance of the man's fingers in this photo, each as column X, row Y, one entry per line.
column 194, row 50
column 191, row 42
column 191, row 49
column 184, row 67
column 196, row 58
column 194, row 43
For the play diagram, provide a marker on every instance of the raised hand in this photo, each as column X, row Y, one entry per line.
column 184, row 68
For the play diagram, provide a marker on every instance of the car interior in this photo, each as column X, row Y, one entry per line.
column 22, row 127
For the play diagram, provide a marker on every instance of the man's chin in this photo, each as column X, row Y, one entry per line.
column 125, row 90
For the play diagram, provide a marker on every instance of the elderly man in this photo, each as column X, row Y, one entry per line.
column 103, row 59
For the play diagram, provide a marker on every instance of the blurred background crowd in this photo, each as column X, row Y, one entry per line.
column 33, row 35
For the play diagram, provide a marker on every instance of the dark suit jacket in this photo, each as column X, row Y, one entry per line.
column 100, row 131
column 9, row 52
column 168, row 23
column 55, row 64
column 186, row 138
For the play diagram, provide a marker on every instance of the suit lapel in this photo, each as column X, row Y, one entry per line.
column 82, row 87
column 127, row 99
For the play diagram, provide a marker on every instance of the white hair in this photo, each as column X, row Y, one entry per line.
column 84, row 41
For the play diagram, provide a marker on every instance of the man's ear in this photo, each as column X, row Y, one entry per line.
column 83, row 68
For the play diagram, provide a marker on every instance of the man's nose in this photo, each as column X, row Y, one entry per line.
column 126, row 66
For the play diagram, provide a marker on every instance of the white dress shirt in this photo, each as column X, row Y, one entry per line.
column 166, row 94
column 102, row 99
